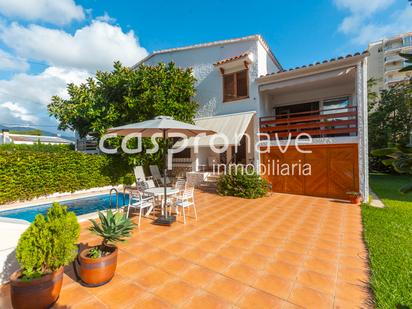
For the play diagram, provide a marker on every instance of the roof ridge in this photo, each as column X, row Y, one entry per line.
column 199, row 45
column 257, row 37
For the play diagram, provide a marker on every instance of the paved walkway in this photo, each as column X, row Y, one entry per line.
column 283, row 251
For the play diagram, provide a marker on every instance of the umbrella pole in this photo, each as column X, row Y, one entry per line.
column 164, row 173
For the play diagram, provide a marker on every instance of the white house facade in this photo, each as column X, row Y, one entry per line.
column 242, row 90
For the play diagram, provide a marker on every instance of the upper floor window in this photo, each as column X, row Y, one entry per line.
column 407, row 41
column 235, row 86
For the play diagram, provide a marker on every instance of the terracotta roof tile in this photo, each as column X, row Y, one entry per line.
column 231, row 59
column 319, row 62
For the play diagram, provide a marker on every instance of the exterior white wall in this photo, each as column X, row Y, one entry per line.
column 362, row 99
column 375, row 64
column 209, row 85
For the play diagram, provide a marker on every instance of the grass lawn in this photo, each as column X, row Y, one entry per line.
column 388, row 234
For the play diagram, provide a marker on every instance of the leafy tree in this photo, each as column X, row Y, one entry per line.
column 124, row 96
column 390, row 118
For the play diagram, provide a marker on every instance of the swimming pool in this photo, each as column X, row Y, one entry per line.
column 80, row 206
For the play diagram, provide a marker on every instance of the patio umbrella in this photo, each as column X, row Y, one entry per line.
column 164, row 125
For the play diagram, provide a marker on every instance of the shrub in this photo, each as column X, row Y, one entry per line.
column 36, row 147
column 28, row 174
column 113, row 227
column 49, row 242
column 242, row 183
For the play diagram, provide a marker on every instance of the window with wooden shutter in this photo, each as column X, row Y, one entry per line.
column 235, row 86
column 228, row 87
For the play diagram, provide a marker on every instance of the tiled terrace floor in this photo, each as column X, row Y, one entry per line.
column 282, row 251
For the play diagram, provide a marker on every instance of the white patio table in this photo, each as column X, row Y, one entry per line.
column 158, row 192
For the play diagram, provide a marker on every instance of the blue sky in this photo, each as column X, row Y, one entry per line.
column 46, row 43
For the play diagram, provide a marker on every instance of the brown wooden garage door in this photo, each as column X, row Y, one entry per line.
column 334, row 170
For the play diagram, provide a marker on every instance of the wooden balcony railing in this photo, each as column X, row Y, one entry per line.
column 319, row 123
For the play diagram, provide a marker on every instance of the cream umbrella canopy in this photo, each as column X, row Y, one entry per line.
column 164, row 125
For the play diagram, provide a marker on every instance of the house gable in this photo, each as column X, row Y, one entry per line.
column 202, row 58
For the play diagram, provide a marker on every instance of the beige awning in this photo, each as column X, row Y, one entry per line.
column 232, row 126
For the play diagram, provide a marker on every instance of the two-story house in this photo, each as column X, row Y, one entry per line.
column 247, row 97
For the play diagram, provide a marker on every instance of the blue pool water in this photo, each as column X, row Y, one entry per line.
column 80, row 206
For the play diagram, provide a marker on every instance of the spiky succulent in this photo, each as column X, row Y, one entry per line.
column 113, row 227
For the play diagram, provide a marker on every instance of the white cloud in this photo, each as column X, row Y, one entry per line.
column 26, row 96
column 363, row 7
column 106, row 18
column 400, row 22
column 362, row 25
column 8, row 62
column 59, row 12
column 16, row 111
column 92, row 47
column 360, row 11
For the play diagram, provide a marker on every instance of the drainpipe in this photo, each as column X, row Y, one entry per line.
column 6, row 136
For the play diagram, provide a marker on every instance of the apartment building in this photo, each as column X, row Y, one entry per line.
column 384, row 61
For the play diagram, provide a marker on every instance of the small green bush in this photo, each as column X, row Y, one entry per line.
column 49, row 242
column 242, row 183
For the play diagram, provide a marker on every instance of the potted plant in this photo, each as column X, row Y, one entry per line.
column 98, row 264
column 354, row 197
column 47, row 245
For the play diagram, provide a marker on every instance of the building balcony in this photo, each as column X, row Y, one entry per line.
column 396, row 79
column 391, row 59
column 318, row 123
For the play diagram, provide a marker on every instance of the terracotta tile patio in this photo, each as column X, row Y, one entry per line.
column 283, row 251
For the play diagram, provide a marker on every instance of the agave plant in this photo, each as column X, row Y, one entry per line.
column 113, row 227
column 400, row 158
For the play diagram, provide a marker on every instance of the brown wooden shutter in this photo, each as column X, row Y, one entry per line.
column 241, row 84
column 228, row 87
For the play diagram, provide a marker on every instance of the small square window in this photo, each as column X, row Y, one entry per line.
column 235, row 86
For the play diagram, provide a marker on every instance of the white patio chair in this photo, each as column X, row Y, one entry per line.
column 137, row 201
column 185, row 200
column 139, row 173
column 180, row 185
column 154, row 170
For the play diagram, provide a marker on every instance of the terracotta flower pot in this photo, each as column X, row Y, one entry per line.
column 355, row 200
column 37, row 293
column 96, row 272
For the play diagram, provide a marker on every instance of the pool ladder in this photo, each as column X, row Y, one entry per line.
column 117, row 198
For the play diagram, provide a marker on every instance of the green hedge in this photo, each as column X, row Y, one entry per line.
column 28, row 174
column 36, row 147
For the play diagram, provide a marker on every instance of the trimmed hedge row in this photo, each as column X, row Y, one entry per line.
column 28, row 174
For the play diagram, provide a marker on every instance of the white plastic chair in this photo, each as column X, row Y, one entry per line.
column 185, row 200
column 180, row 185
column 139, row 173
column 137, row 201
column 154, row 170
